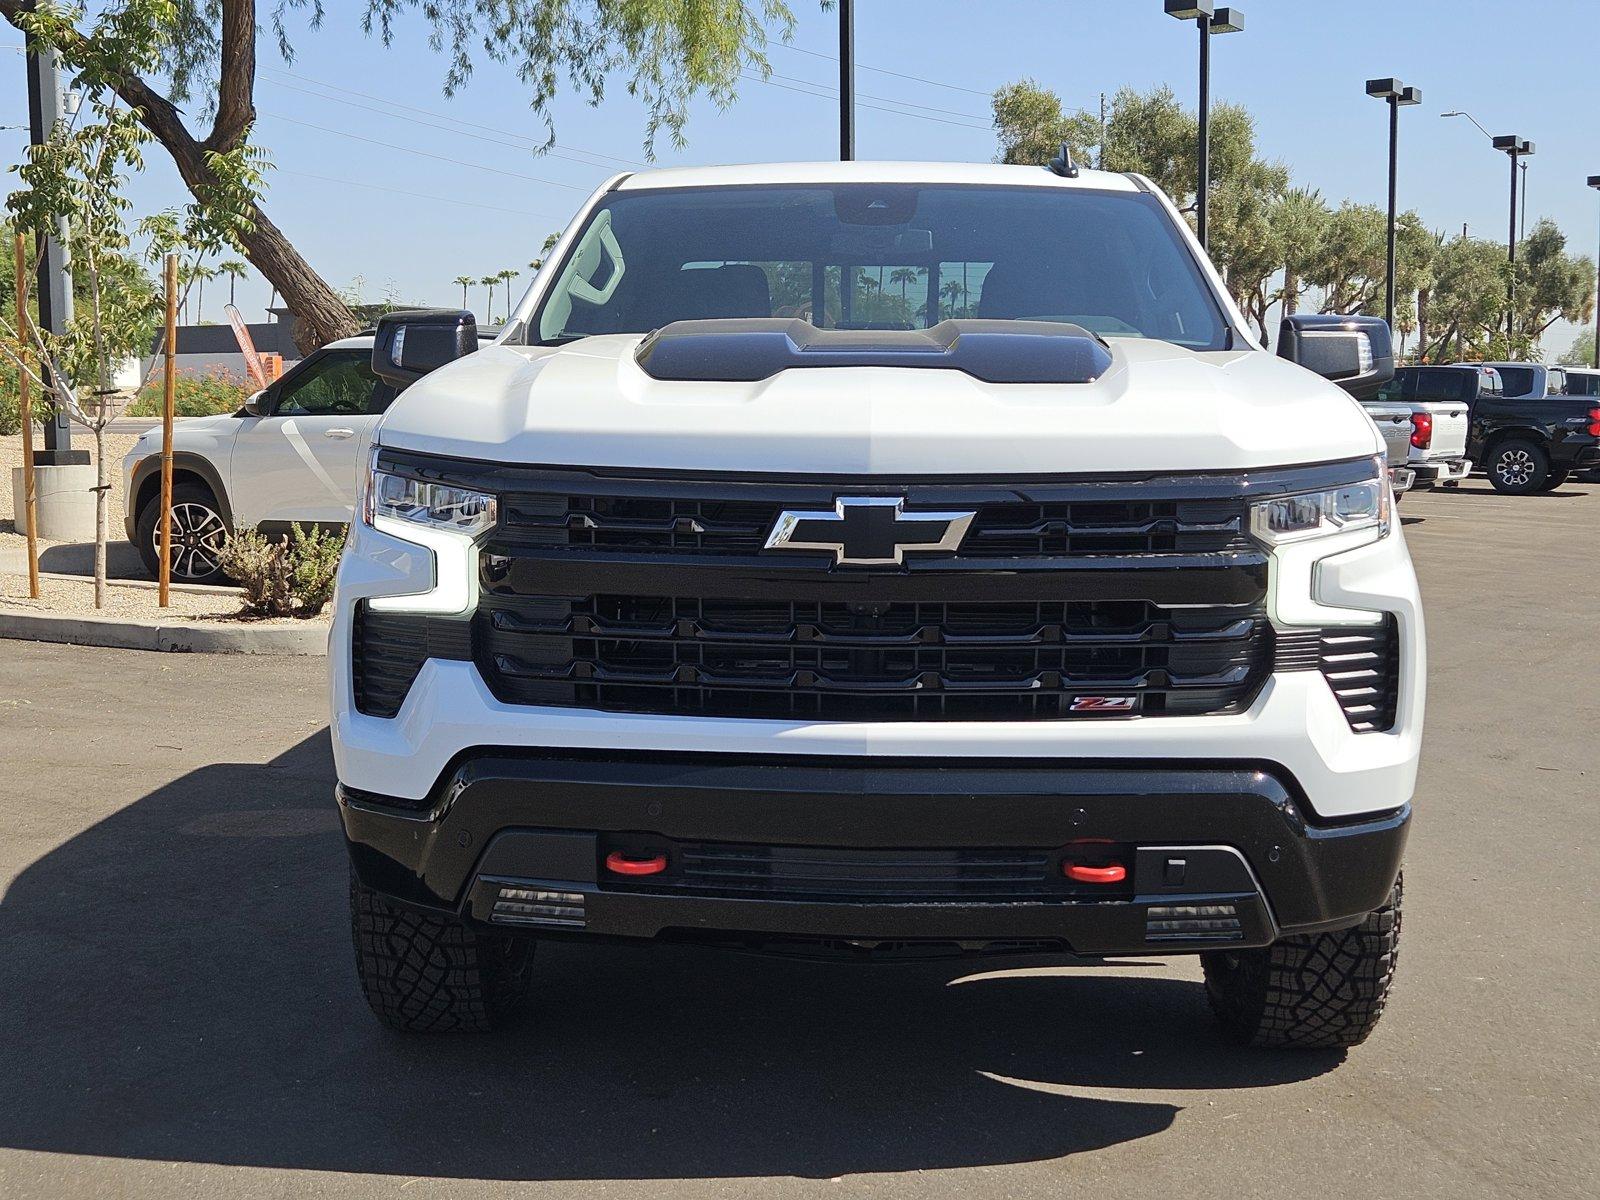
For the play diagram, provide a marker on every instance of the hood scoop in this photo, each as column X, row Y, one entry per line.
column 747, row 350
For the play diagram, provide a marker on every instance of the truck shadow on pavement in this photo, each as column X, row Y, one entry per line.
column 179, row 986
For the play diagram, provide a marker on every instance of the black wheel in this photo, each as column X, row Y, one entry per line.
column 1554, row 480
column 427, row 974
column 1518, row 467
column 198, row 535
column 1312, row 991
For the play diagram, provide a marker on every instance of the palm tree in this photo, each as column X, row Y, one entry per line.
column 952, row 292
column 505, row 277
column 464, row 282
column 905, row 277
column 235, row 271
column 489, row 281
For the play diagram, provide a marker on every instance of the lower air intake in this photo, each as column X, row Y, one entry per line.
column 520, row 905
column 1192, row 922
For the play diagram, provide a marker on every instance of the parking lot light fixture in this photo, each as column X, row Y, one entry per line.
column 1211, row 21
column 1396, row 95
column 1515, row 148
column 1594, row 182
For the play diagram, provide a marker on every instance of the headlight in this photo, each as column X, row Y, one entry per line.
column 1362, row 505
column 436, row 505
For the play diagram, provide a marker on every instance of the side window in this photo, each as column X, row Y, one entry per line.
column 341, row 382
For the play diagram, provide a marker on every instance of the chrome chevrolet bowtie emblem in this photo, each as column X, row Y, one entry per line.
column 869, row 530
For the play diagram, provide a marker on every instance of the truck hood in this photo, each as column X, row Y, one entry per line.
column 1158, row 408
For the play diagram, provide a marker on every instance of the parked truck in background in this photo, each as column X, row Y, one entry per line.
column 1440, row 399
column 732, row 598
column 1534, row 434
column 1396, row 428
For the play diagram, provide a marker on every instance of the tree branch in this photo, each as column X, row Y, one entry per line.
column 236, row 79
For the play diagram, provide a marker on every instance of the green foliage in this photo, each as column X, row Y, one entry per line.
column 1579, row 354
column 1552, row 285
column 10, row 399
column 289, row 576
column 1031, row 125
column 1462, row 314
column 194, row 396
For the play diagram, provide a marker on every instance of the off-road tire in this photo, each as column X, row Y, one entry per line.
column 1518, row 467
column 426, row 974
column 1554, row 480
column 1311, row 991
column 196, row 497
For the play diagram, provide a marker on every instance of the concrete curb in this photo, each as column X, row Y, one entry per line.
column 193, row 637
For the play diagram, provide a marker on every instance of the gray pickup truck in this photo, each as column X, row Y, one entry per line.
column 1394, row 423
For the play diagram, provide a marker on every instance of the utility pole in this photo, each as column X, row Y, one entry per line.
column 847, row 80
column 1594, row 182
column 54, row 283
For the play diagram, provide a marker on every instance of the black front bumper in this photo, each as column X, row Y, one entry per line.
column 765, row 850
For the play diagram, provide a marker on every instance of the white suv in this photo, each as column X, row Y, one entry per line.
column 879, row 558
column 292, row 454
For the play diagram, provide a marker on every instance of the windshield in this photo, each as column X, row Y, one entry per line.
column 889, row 256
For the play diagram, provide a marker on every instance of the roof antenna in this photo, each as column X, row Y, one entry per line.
column 1063, row 165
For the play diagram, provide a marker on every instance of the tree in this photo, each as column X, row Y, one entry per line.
column 235, row 271
column 1551, row 284
column 1581, row 352
column 1466, row 302
column 464, row 282
column 1300, row 221
column 506, row 277
column 77, row 176
column 905, row 277
column 489, row 281
column 170, row 61
column 1031, row 125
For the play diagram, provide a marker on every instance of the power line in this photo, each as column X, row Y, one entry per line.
column 378, row 187
column 390, row 105
column 823, row 95
column 885, row 71
column 833, row 91
column 460, row 162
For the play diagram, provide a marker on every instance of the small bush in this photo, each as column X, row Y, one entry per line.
column 10, row 399
column 193, row 395
column 286, row 576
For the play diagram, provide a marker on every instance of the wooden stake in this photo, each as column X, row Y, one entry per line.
column 25, row 402
column 168, row 388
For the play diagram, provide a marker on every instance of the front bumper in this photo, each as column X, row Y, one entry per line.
column 865, row 851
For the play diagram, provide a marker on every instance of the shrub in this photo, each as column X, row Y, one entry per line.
column 10, row 399
column 286, row 576
column 193, row 395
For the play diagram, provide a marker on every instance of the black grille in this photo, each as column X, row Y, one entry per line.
column 846, row 660
column 388, row 650
column 1012, row 527
column 1361, row 664
column 795, row 872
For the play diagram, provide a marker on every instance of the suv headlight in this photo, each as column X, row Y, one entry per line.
column 436, row 505
column 1351, row 506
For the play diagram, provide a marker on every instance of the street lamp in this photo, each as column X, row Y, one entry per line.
column 847, row 80
column 1594, row 182
column 1515, row 149
column 1395, row 94
column 1211, row 20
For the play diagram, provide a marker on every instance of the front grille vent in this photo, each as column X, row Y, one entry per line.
column 388, row 650
column 843, row 660
column 1360, row 662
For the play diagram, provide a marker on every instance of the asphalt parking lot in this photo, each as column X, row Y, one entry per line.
column 179, row 1013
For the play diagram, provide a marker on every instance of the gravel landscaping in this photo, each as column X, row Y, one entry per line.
column 13, row 543
column 75, row 597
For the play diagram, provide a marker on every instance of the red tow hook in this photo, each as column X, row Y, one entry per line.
column 621, row 862
column 1081, row 873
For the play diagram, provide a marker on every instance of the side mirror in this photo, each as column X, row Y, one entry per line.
column 1357, row 353
column 409, row 344
column 255, row 404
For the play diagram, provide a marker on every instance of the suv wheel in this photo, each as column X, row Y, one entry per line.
column 427, row 974
column 1518, row 467
column 198, row 535
column 1311, row 991
column 1554, row 480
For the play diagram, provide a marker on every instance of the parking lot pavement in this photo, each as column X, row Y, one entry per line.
column 179, row 1013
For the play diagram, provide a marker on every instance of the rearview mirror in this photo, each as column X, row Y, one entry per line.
column 411, row 343
column 1357, row 353
column 255, row 404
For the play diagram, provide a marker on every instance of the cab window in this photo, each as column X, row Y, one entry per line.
column 338, row 383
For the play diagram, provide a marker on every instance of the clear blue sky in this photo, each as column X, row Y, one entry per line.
column 1525, row 68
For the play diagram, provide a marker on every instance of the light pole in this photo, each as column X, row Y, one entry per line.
column 1515, row 149
column 1594, row 182
column 1395, row 94
column 847, row 80
column 1211, row 20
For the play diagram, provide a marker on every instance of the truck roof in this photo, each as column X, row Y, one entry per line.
column 989, row 174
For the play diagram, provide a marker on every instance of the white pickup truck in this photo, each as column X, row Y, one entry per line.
column 1019, row 602
column 1440, row 399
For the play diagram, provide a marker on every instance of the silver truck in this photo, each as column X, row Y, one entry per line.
column 1394, row 423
